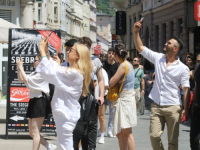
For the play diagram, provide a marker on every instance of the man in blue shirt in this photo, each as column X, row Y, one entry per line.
column 139, row 78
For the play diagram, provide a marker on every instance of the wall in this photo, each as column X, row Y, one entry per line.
column 15, row 11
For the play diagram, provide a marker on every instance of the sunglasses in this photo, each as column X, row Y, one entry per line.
column 135, row 60
column 36, row 60
column 71, row 50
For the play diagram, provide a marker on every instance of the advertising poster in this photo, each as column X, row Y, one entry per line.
column 25, row 43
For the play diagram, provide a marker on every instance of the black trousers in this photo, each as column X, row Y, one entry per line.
column 86, row 132
column 195, row 129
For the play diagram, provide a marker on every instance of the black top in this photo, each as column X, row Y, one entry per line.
column 197, row 81
column 110, row 69
column 192, row 83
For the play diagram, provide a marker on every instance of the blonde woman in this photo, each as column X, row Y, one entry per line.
column 37, row 108
column 69, row 83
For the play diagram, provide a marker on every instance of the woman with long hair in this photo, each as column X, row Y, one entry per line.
column 125, row 116
column 69, row 83
column 37, row 108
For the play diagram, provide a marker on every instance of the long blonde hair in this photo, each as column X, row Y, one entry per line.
column 84, row 65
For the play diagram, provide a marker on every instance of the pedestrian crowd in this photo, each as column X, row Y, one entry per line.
column 78, row 91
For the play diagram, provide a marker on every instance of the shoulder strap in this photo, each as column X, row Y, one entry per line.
column 124, row 77
column 137, row 72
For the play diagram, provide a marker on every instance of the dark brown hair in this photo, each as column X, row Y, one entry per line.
column 120, row 50
column 111, row 49
column 85, row 40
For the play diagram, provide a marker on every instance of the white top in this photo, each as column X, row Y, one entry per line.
column 167, row 80
column 36, row 85
column 105, row 79
column 68, row 88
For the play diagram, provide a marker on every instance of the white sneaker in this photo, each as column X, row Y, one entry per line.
column 98, row 133
column 53, row 147
column 101, row 140
column 110, row 135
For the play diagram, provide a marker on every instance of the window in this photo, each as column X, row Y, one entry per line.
column 156, row 35
column 5, row 52
column 55, row 11
column 171, row 30
column 180, row 28
column 130, row 35
column 100, row 28
column 163, row 34
column 39, row 12
column 129, row 2
column 6, row 15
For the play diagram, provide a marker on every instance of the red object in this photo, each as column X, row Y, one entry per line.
column 53, row 39
column 191, row 99
column 114, row 37
column 197, row 11
column 98, row 46
column 19, row 94
column 97, row 50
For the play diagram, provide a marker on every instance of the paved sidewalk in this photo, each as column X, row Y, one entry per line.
column 140, row 132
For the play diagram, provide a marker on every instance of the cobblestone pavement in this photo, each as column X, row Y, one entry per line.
column 140, row 132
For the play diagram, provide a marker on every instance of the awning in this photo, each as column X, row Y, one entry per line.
column 4, row 29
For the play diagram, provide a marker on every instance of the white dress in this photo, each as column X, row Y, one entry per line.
column 65, row 106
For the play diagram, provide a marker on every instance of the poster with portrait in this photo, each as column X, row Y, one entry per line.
column 25, row 43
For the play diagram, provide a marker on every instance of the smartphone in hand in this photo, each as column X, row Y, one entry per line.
column 141, row 19
column 48, row 36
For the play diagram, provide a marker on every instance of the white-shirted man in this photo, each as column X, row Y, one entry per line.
column 170, row 72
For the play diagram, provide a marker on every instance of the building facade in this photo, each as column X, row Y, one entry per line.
column 104, row 27
column 86, row 19
column 40, row 13
column 93, row 26
column 162, row 21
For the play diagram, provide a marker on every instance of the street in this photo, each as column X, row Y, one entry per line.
column 22, row 141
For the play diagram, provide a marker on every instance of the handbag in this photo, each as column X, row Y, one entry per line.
column 112, row 94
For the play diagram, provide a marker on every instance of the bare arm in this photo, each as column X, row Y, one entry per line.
column 101, row 85
column 186, row 100
column 143, row 86
column 21, row 74
column 118, row 75
column 137, row 40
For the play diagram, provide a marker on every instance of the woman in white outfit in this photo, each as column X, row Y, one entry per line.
column 69, row 83
column 37, row 108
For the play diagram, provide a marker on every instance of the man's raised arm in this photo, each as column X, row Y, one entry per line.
column 138, row 42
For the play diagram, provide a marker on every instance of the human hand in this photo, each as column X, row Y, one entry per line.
column 186, row 114
column 101, row 99
column 43, row 46
column 137, row 26
column 56, row 59
column 19, row 62
column 143, row 92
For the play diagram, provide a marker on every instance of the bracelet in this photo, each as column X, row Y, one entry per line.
column 43, row 57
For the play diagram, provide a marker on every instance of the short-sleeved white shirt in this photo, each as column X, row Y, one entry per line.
column 166, row 90
column 105, row 79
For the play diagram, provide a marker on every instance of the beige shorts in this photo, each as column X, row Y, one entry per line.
column 137, row 95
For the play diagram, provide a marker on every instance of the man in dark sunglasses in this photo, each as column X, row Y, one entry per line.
column 170, row 73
